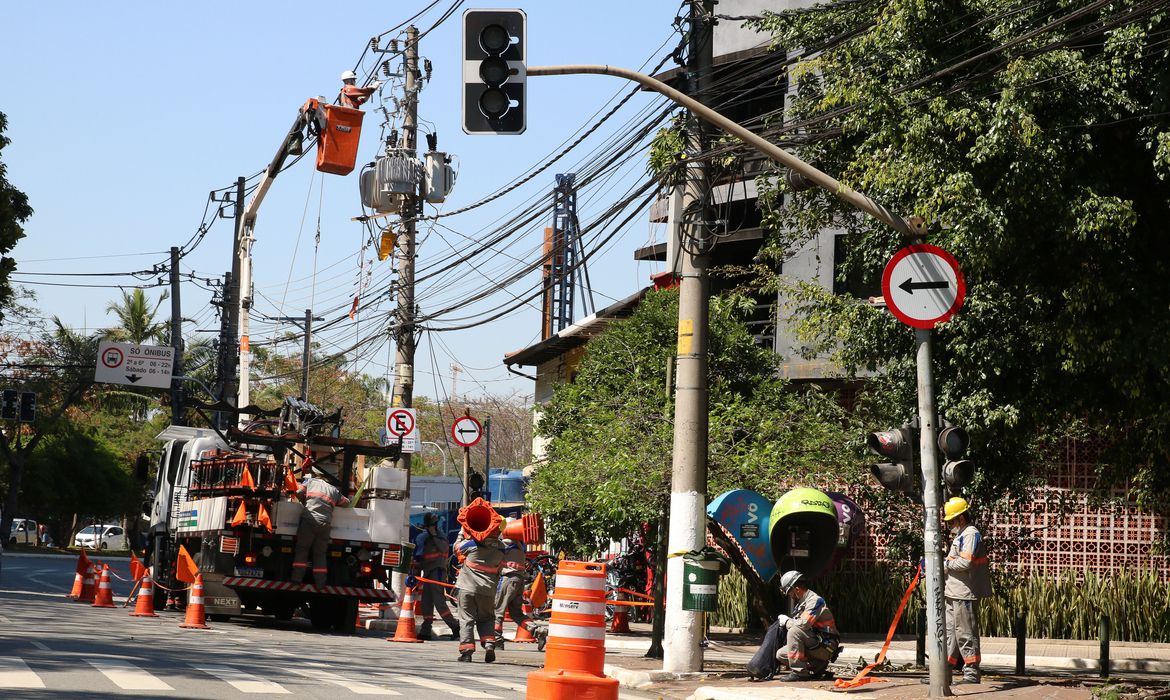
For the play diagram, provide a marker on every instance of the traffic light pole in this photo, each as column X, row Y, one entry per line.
column 936, row 637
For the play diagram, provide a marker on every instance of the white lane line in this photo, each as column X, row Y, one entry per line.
column 126, row 675
column 518, row 686
column 243, row 682
column 39, row 645
column 356, row 687
column 279, row 652
column 15, row 673
column 5, row 620
column 436, row 685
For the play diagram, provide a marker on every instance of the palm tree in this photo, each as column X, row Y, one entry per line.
column 136, row 322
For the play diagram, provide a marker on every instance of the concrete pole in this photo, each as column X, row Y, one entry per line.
column 231, row 303
column 936, row 630
column 305, row 356
column 688, row 487
column 177, row 413
column 404, row 340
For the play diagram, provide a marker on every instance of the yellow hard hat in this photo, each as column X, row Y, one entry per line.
column 953, row 508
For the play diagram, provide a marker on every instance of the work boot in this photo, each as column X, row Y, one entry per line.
column 968, row 679
column 454, row 630
column 466, row 656
column 794, row 677
column 489, row 654
column 425, row 632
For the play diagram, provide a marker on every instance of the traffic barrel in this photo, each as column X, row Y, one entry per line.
column 575, row 655
column 196, row 617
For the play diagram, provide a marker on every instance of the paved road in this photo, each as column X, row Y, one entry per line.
column 51, row 646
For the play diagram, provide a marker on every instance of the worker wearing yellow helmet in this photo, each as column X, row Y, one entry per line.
column 968, row 581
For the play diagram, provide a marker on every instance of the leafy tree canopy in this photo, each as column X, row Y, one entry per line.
column 1035, row 140
column 611, row 429
column 14, row 211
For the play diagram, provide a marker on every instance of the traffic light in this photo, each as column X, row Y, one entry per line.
column 897, row 445
column 28, row 407
column 956, row 471
column 9, row 404
column 494, row 71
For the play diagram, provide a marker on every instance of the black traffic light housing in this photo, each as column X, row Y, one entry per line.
column 10, row 404
column 897, row 445
column 957, row 472
column 28, row 407
column 494, row 73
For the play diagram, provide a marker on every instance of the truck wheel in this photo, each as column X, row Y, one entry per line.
column 321, row 613
column 343, row 620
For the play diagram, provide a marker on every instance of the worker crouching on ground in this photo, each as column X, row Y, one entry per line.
column 431, row 554
column 808, row 636
column 475, row 590
column 510, row 596
column 313, row 532
column 968, row 581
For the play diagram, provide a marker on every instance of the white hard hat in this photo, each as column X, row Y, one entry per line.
column 349, row 75
column 790, row 579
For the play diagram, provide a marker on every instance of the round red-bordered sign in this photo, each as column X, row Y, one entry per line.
column 109, row 359
column 400, row 422
column 466, row 431
column 923, row 285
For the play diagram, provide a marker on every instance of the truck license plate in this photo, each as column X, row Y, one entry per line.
column 250, row 571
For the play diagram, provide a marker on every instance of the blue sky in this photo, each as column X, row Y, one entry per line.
column 123, row 116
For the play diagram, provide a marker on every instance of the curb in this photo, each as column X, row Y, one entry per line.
column 1007, row 662
column 629, row 678
column 708, row 692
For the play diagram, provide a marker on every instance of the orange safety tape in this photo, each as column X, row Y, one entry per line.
column 640, row 595
column 624, row 603
column 137, row 585
column 431, row 580
column 860, row 678
column 173, row 590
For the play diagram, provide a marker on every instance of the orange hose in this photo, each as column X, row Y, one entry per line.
column 860, row 678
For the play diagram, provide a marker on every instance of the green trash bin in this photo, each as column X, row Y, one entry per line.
column 701, row 572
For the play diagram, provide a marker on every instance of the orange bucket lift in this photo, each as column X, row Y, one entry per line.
column 340, row 132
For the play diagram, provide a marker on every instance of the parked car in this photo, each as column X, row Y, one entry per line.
column 23, row 531
column 102, row 537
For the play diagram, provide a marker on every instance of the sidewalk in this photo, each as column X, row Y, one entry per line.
column 1054, row 668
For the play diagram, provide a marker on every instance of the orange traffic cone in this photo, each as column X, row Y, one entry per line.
column 105, row 590
column 196, row 615
column 76, row 592
column 145, row 605
column 87, row 587
column 404, row 631
column 621, row 619
column 523, row 636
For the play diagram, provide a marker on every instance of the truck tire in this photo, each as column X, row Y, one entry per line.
column 321, row 613
column 346, row 612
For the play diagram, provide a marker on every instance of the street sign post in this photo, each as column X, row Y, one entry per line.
column 466, row 431
column 135, row 365
column 402, row 423
column 923, row 285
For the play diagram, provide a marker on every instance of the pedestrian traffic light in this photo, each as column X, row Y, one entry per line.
column 28, row 407
column 956, row 471
column 9, row 404
column 897, row 445
column 494, row 73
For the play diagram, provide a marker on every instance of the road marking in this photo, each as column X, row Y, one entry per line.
column 15, row 673
column 356, row 687
column 445, row 687
column 506, row 685
column 241, row 681
column 5, row 620
column 126, row 675
column 280, row 652
column 39, row 645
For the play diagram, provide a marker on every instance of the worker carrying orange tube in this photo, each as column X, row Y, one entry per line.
column 475, row 588
column 353, row 96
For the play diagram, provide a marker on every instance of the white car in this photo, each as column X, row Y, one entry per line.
column 102, row 537
column 23, row 531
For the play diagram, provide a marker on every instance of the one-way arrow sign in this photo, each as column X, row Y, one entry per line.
column 933, row 288
column 133, row 378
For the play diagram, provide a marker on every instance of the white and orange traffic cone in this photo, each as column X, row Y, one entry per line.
column 105, row 590
column 523, row 636
column 621, row 619
column 404, row 631
column 196, row 617
column 145, row 605
column 88, row 589
column 77, row 583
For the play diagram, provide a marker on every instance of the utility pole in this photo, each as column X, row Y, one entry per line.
column 231, row 300
column 225, row 355
column 455, row 370
column 688, row 487
column 178, row 416
column 305, row 323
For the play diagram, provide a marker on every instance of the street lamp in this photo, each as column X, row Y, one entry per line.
column 440, row 449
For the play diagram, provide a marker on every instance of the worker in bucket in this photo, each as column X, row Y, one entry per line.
column 812, row 638
column 475, row 590
column 353, row 96
column 510, row 595
column 968, row 582
column 431, row 553
column 320, row 497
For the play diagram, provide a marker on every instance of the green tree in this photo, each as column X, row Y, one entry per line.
column 611, row 429
column 14, row 211
column 136, row 319
column 1035, row 140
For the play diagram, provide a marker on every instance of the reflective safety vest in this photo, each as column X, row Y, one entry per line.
column 812, row 613
column 481, row 566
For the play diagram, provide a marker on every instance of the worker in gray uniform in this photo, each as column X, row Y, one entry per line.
column 475, row 591
column 313, row 533
column 510, row 595
column 431, row 552
column 813, row 641
column 968, row 582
